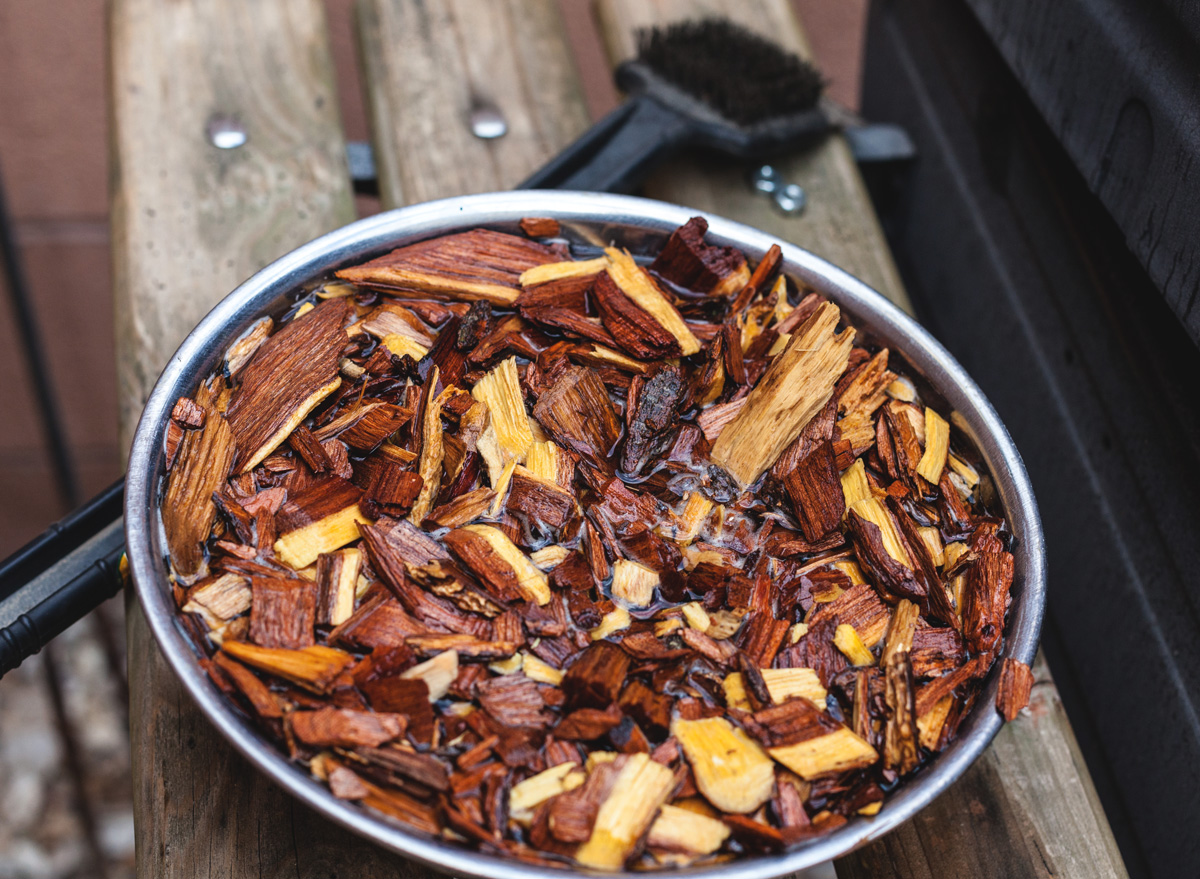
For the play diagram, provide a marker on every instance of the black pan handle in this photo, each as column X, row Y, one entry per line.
column 616, row 153
column 61, row 575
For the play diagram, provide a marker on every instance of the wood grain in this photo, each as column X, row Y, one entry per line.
column 189, row 222
column 430, row 64
column 838, row 224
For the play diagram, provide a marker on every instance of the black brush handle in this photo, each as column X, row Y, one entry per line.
column 616, row 153
column 60, row 576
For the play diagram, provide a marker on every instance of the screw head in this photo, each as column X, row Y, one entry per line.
column 226, row 132
column 488, row 123
column 791, row 199
column 765, row 178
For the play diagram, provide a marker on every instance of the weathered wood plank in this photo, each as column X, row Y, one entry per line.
column 429, row 65
column 838, row 223
column 189, row 222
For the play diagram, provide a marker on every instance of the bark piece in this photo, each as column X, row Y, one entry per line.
column 1016, row 683
column 288, row 376
column 322, row 518
column 653, row 408
column 283, row 612
column 688, row 262
column 595, row 678
column 202, row 463
column 816, row 493
column 344, row 728
column 498, row 563
column 579, row 415
column 637, row 314
column 541, row 501
column 796, row 386
column 337, row 584
column 476, row 265
column 429, row 465
column 900, row 737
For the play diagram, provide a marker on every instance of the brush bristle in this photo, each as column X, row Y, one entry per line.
column 739, row 74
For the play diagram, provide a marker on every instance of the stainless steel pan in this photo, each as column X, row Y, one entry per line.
column 588, row 219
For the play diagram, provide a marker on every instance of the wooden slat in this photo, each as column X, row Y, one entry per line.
column 838, row 224
column 189, row 222
column 428, row 65
column 1027, row 807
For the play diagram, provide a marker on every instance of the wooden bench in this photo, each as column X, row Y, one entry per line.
column 190, row 221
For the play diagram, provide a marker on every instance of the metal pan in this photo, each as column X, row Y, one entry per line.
column 588, row 219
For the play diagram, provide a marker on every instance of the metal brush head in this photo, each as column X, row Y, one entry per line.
column 740, row 93
column 736, row 73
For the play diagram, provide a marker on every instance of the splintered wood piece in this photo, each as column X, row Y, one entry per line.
column 816, row 492
column 405, row 696
column 239, row 353
column 337, row 583
column 900, row 751
column 498, row 562
column 846, row 639
column 900, row 631
column 527, row 795
column 633, row 584
column 860, row 607
column 476, row 265
column 637, row 313
column 393, row 319
column 732, row 771
column 595, row 678
column 368, row 426
column 464, row 509
column 782, row 684
column 202, row 463
column 937, row 445
column 577, row 412
column 283, row 612
column 322, row 518
column 314, row 668
column 684, row 830
column 826, row 755
column 288, row 376
column 540, row 227
column 438, row 673
column 224, row 597
column 345, row 728
column 1016, row 683
column 640, row 789
column 540, row 500
column 986, row 600
column 795, row 387
column 688, row 262
column 429, row 465
column 560, row 271
column 500, row 391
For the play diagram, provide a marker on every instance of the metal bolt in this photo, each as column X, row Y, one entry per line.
column 226, row 132
column 765, row 179
column 487, row 122
column 791, row 199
